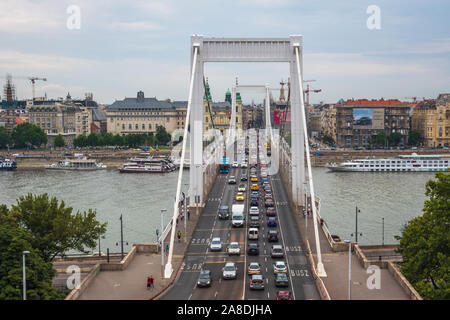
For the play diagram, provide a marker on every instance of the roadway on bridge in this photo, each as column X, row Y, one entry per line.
column 198, row 256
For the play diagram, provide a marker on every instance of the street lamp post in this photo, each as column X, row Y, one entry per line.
column 24, row 282
column 162, row 242
column 349, row 269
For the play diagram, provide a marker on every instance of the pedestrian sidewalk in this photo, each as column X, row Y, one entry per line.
column 336, row 268
column 131, row 283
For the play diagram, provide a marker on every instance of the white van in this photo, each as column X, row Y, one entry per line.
column 237, row 217
column 253, row 233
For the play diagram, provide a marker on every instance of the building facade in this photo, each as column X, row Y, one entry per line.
column 432, row 119
column 359, row 121
column 144, row 115
column 328, row 122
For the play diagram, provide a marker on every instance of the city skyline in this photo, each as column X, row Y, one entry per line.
column 126, row 46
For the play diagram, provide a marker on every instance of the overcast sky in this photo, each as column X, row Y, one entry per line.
column 124, row 46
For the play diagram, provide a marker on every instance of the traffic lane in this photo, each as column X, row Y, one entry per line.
column 299, row 270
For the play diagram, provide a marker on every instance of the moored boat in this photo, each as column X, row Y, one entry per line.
column 7, row 164
column 76, row 164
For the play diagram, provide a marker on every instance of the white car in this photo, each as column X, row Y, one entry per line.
column 254, row 268
column 233, row 248
column 244, row 164
column 241, row 187
column 279, row 267
column 254, row 211
column 216, row 244
column 229, row 271
column 235, row 164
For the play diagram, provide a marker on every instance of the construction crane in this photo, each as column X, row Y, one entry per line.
column 33, row 80
column 307, row 91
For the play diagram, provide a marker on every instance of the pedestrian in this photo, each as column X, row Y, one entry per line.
column 149, row 282
column 152, row 280
column 179, row 235
column 182, row 216
column 188, row 214
column 167, row 249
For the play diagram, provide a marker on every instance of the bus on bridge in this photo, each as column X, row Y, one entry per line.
column 224, row 166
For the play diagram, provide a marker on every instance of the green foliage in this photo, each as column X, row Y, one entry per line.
column 53, row 228
column 5, row 138
column 162, row 137
column 381, row 138
column 39, row 273
column 425, row 243
column 59, row 141
column 28, row 134
column 328, row 140
column 414, row 138
column 395, row 138
column 80, row 141
column 94, row 139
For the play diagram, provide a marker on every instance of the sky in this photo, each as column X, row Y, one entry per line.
column 123, row 46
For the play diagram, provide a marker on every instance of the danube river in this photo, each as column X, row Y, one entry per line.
column 396, row 197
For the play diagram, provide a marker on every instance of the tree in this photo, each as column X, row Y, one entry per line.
column 39, row 273
column 381, row 138
column 93, row 139
column 54, row 229
column 118, row 140
column 414, row 137
column 162, row 137
column 27, row 133
column 328, row 140
column 425, row 242
column 5, row 138
column 107, row 139
column 59, row 141
column 80, row 141
column 395, row 138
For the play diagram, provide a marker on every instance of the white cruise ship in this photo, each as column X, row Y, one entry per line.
column 403, row 163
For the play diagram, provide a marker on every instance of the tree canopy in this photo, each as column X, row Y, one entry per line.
column 59, row 141
column 5, row 138
column 414, row 138
column 381, row 138
column 425, row 242
column 52, row 226
column 26, row 134
column 395, row 138
column 162, row 136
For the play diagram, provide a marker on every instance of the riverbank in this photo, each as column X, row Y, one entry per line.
column 37, row 159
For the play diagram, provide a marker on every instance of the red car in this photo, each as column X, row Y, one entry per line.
column 269, row 203
column 271, row 212
column 268, row 195
column 284, row 295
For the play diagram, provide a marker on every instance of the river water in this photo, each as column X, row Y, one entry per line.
column 396, row 197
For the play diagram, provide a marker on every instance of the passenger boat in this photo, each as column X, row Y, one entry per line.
column 7, row 164
column 147, row 165
column 403, row 163
column 76, row 164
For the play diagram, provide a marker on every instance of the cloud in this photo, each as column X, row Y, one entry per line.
column 137, row 26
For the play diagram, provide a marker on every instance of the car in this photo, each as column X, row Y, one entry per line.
column 229, row 271
column 267, row 188
column 254, row 268
column 271, row 222
column 244, row 164
column 242, row 187
column 232, row 180
column 204, row 279
column 235, row 164
column 269, row 203
column 277, row 251
column 253, row 211
column 224, row 212
column 257, row 282
column 268, row 195
column 281, row 280
column 279, row 267
column 271, row 211
column 234, row 248
column 253, row 221
column 253, row 249
column 240, row 196
column 272, row 236
column 254, row 187
column 253, row 202
column 264, row 181
column 244, row 176
column 254, row 194
column 283, row 295
column 254, row 179
column 216, row 244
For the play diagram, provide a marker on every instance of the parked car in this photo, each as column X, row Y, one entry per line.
column 229, row 271
column 204, row 279
column 257, row 282
column 216, row 244
column 254, row 268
